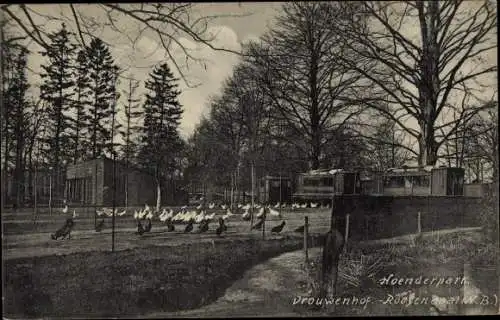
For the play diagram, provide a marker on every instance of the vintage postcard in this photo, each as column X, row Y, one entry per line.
column 249, row 159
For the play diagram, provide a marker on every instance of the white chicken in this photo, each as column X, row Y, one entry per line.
column 124, row 212
column 223, row 207
column 283, row 206
column 258, row 206
column 239, row 206
column 199, row 218
column 303, row 206
column 199, row 207
column 211, row 205
column 261, row 212
column 74, row 214
column 245, row 215
column 227, row 215
column 313, row 205
column 210, row 216
column 246, row 207
column 65, row 209
column 277, row 205
column 274, row 212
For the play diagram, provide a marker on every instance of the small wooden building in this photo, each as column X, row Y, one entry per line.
column 447, row 181
column 323, row 184
column 91, row 183
column 407, row 181
column 273, row 189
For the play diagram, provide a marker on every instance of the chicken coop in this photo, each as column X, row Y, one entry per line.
column 274, row 189
column 447, row 181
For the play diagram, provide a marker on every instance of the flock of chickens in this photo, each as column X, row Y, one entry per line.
column 198, row 215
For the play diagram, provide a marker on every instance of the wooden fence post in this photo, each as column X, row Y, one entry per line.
column 306, row 236
column 419, row 223
column 346, row 230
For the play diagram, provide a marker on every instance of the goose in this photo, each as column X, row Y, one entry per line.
column 277, row 205
column 246, row 215
column 278, row 228
column 274, row 212
column 211, row 205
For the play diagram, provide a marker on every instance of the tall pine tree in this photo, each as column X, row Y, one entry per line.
column 80, row 107
column 57, row 91
column 130, row 128
column 101, row 92
column 14, row 117
column 161, row 142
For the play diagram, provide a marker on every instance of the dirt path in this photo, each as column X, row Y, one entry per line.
column 267, row 289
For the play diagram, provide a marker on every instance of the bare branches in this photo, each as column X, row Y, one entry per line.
column 167, row 21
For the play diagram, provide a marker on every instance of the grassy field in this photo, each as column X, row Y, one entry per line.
column 134, row 281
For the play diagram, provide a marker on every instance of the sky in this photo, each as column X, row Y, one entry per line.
column 238, row 23
column 241, row 22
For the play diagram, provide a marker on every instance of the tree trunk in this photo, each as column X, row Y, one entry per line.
column 427, row 145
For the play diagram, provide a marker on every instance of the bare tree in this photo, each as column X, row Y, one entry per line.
column 306, row 84
column 168, row 22
column 420, row 75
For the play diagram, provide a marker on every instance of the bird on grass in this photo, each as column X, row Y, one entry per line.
column 148, row 226
column 278, row 228
column 274, row 212
column 189, row 226
column 140, row 228
column 258, row 225
column 99, row 226
column 221, row 228
column 300, row 229
column 170, row 225
column 246, row 216
column 203, row 227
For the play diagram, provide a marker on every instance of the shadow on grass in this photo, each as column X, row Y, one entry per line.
column 135, row 281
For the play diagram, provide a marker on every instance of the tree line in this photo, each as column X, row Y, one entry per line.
column 75, row 117
column 329, row 85
column 345, row 85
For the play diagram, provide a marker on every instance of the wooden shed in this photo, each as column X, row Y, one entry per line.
column 447, row 181
column 91, row 183
column 274, row 189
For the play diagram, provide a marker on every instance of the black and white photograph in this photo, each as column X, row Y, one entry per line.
column 249, row 159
